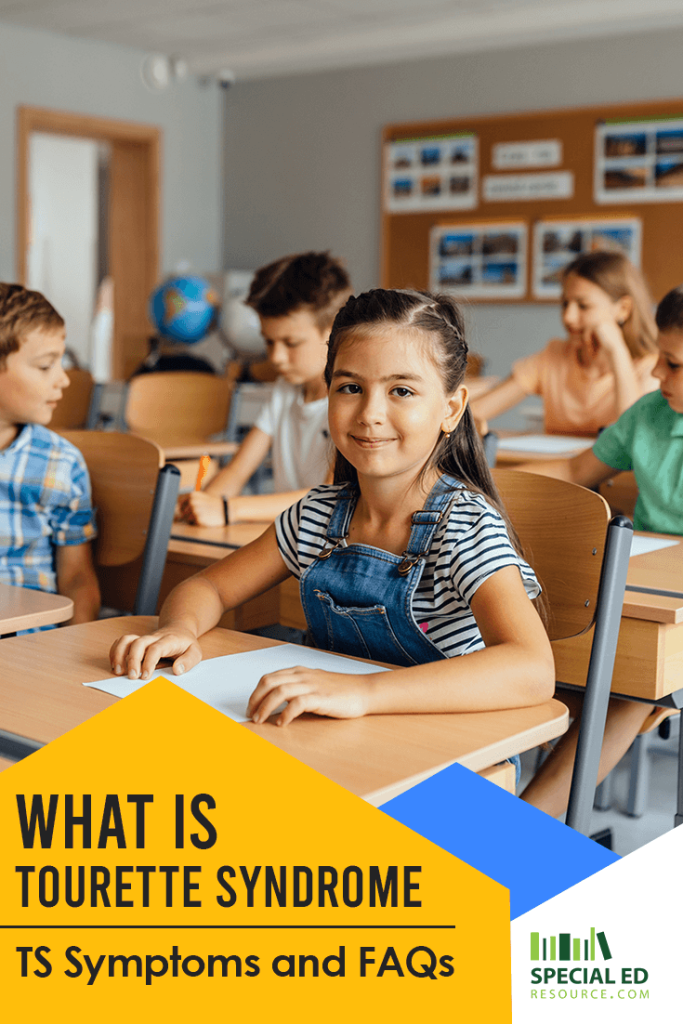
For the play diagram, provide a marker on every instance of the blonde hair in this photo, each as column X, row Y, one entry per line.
column 617, row 277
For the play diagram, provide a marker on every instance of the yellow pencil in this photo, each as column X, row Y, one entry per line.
column 204, row 463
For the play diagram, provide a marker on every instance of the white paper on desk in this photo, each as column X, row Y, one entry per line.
column 543, row 444
column 644, row 545
column 227, row 683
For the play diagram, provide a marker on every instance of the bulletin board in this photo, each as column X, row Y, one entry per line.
column 492, row 205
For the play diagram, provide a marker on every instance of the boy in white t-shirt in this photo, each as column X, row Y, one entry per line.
column 297, row 299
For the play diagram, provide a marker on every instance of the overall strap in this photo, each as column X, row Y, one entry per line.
column 338, row 526
column 426, row 520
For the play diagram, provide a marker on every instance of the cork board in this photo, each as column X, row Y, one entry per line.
column 405, row 242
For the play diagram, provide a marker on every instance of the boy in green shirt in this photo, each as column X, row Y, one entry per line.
column 648, row 439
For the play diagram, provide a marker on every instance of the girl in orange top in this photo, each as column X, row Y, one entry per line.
column 605, row 365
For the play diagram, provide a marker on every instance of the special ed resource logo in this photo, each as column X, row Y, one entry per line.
column 595, row 976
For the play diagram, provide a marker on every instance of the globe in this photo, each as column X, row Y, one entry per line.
column 183, row 309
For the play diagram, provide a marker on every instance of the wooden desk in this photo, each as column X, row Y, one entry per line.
column 195, row 451
column 192, row 548
column 649, row 661
column 21, row 608
column 223, row 537
column 376, row 757
column 513, row 457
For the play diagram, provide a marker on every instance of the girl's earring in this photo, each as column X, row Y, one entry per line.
column 446, row 433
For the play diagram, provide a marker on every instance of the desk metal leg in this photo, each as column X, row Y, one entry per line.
column 678, row 817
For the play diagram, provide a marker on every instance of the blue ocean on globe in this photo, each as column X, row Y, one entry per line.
column 183, row 309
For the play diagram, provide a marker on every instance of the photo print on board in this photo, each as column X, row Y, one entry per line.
column 557, row 243
column 434, row 173
column 639, row 161
column 479, row 261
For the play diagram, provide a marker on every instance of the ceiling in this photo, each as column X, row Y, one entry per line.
column 261, row 38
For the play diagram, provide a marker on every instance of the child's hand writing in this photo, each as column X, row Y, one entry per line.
column 304, row 689
column 202, row 509
column 138, row 656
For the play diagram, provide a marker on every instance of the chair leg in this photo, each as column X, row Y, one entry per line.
column 604, row 794
column 639, row 783
column 600, row 667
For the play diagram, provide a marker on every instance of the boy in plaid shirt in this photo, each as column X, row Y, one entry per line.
column 46, row 515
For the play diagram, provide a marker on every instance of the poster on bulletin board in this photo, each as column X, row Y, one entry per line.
column 558, row 242
column 438, row 173
column 639, row 161
column 479, row 260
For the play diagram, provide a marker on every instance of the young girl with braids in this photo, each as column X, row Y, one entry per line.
column 406, row 558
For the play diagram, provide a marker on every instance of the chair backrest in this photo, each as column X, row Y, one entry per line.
column 621, row 493
column 72, row 409
column 563, row 530
column 134, row 495
column 178, row 408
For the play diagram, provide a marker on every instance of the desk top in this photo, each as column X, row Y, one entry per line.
column 195, row 451
column 507, row 456
column 21, row 608
column 658, row 577
column 235, row 536
column 202, row 545
column 376, row 757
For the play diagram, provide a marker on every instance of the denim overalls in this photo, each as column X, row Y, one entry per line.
column 357, row 599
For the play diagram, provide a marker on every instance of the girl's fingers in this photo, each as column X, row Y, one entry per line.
column 276, row 696
column 268, row 682
column 118, row 654
column 136, row 653
column 297, row 706
column 191, row 657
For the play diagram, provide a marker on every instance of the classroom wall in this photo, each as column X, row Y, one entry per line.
column 302, row 154
column 48, row 70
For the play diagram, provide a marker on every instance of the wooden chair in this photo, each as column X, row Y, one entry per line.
column 581, row 559
column 178, row 409
column 134, row 494
column 621, row 493
column 73, row 407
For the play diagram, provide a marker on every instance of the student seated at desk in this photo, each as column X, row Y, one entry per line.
column 296, row 298
column 604, row 365
column 46, row 516
column 648, row 439
column 378, row 579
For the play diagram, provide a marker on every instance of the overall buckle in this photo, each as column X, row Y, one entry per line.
column 326, row 552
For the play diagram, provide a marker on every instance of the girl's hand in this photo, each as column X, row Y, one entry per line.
column 202, row 509
column 138, row 656
column 305, row 689
column 609, row 336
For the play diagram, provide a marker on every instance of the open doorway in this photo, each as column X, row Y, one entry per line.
column 88, row 212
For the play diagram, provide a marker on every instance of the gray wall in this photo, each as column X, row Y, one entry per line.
column 302, row 154
column 46, row 70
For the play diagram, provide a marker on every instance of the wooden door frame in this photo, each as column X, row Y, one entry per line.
column 127, row 138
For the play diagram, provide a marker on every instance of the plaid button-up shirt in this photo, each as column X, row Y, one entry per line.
column 44, row 503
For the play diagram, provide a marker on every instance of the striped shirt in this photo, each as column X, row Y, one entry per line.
column 44, row 503
column 468, row 546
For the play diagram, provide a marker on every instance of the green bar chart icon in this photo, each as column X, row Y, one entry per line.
column 565, row 947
